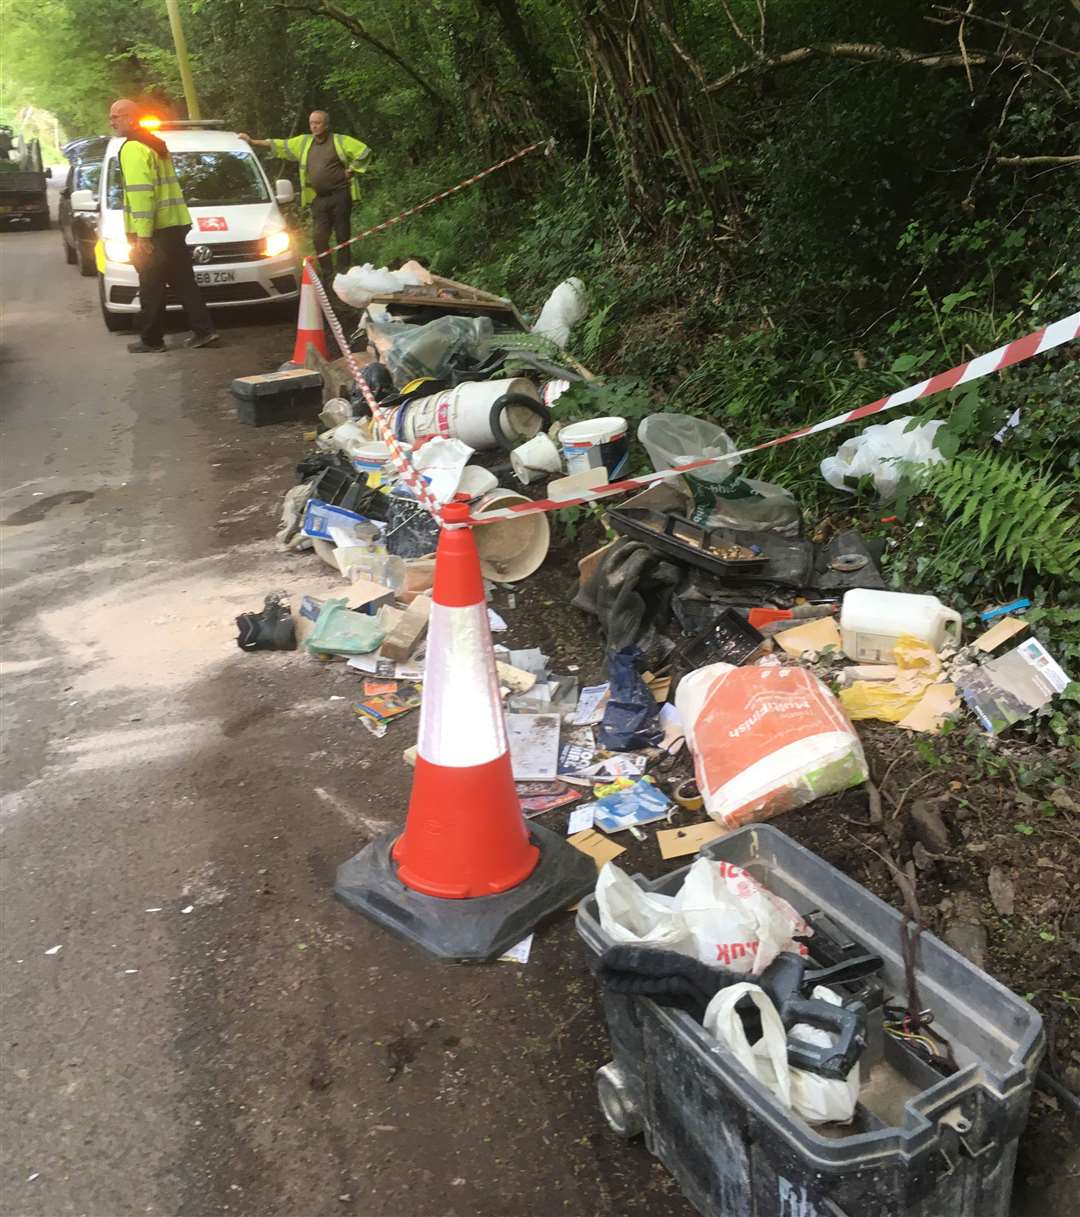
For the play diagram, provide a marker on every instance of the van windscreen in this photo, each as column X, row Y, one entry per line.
column 214, row 179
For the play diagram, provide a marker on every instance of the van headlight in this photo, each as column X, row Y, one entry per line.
column 276, row 243
column 118, row 250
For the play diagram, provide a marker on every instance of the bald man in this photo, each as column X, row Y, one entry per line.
column 157, row 222
column 330, row 168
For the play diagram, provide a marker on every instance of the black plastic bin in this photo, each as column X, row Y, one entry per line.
column 921, row 1145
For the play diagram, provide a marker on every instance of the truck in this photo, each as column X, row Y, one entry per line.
column 23, row 182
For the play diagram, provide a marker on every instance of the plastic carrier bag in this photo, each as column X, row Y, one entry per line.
column 722, row 499
column 765, row 740
column 818, row 1100
column 720, row 915
column 879, row 452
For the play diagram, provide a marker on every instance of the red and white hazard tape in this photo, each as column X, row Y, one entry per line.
column 398, row 455
column 1037, row 343
column 548, row 144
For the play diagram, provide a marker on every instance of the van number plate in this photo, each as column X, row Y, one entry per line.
column 205, row 277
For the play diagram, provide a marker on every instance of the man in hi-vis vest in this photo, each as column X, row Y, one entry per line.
column 157, row 222
column 330, row 168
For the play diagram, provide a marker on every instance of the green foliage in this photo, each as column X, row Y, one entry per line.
column 1001, row 513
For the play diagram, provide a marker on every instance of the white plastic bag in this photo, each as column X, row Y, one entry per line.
column 816, row 1099
column 721, row 915
column 630, row 915
column 878, row 451
column 765, row 740
column 563, row 309
column 359, row 283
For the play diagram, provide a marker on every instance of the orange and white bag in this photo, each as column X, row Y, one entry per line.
column 765, row 740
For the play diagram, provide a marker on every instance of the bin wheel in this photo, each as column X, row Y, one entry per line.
column 504, row 403
column 616, row 1102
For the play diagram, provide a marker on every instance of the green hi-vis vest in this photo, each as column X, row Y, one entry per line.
column 354, row 154
column 152, row 195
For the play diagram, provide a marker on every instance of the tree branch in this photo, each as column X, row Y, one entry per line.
column 1009, row 29
column 323, row 8
column 1038, row 160
column 871, row 52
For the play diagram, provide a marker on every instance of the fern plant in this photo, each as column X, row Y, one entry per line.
column 1004, row 511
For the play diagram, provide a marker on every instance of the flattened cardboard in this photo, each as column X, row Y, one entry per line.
column 938, row 702
column 1001, row 631
column 813, row 636
column 600, row 848
column 678, row 842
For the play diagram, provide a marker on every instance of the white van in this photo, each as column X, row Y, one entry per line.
column 242, row 250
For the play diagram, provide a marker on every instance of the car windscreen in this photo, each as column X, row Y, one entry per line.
column 214, row 179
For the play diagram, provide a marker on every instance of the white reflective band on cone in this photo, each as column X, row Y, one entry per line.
column 310, row 314
column 461, row 716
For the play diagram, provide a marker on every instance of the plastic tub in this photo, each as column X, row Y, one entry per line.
column 921, row 1144
column 595, row 442
column 372, row 457
column 510, row 549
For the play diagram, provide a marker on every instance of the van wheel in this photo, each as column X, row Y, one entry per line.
column 115, row 323
column 70, row 256
column 85, row 257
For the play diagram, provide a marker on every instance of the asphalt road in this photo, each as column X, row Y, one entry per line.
column 191, row 1023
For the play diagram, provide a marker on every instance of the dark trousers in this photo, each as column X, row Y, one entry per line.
column 331, row 213
column 170, row 266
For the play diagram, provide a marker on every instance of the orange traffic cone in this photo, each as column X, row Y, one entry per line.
column 469, row 876
column 309, row 322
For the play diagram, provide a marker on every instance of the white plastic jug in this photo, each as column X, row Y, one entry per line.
column 872, row 621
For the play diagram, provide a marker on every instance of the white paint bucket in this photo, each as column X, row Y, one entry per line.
column 596, row 442
column 465, row 413
column 531, row 461
column 510, row 549
column 372, row 457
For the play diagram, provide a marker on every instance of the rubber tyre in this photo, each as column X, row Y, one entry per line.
column 502, row 404
column 115, row 323
column 85, row 258
column 70, row 256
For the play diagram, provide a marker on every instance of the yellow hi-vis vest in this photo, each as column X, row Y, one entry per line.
column 354, row 154
column 152, row 195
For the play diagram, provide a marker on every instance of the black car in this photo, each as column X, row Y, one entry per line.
column 79, row 228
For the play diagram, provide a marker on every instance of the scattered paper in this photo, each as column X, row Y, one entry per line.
column 674, row 732
column 55, row 950
column 643, row 803
column 1005, row 690
column 937, row 704
column 153, row 910
column 538, row 797
column 534, row 746
column 374, row 688
column 495, row 622
column 591, row 705
column 581, row 818
column 819, row 635
column 622, row 765
column 383, row 707
column 440, row 462
column 573, row 758
column 188, row 908
column 389, row 669
column 677, row 842
column 600, row 848
column 519, row 952
column 1001, row 632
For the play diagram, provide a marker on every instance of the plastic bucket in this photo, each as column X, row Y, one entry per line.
column 510, row 549
column 596, row 442
column 535, row 459
column 372, row 457
column 464, row 413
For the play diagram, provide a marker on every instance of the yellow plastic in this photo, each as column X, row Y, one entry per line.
column 891, row 700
